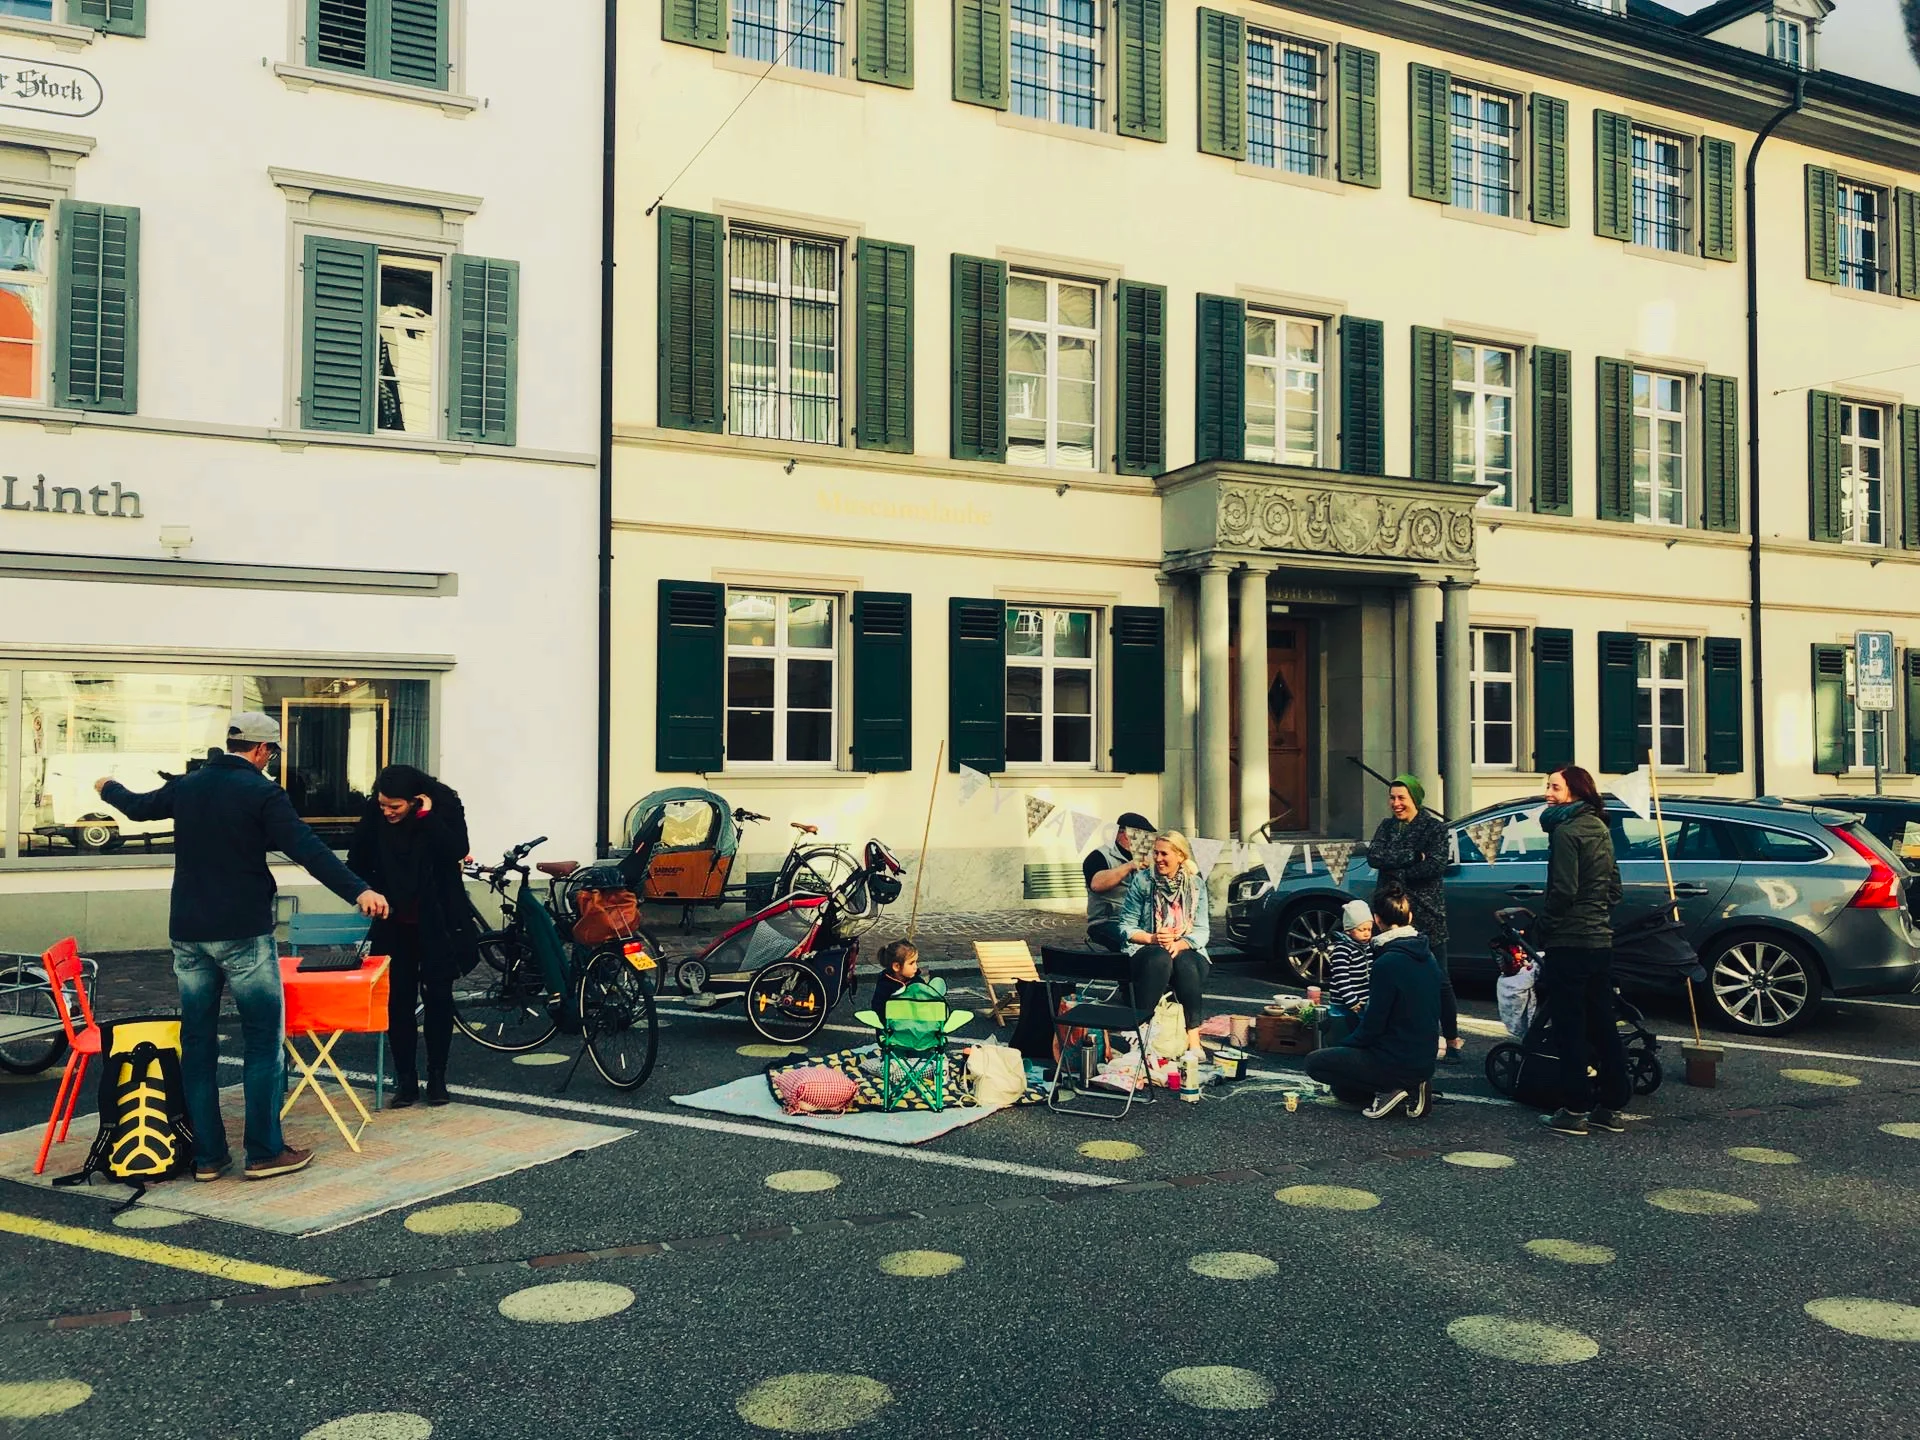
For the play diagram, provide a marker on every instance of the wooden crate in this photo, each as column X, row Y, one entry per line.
column 1279, row 1035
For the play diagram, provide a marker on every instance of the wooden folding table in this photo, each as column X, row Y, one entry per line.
column 323, row 1005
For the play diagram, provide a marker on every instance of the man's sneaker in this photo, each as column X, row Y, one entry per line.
column 1385, row 1103
column 211, row 1170
column 1421, row 1102
column 1565, row 1122
column 1608, row 1120
column 288, row 1162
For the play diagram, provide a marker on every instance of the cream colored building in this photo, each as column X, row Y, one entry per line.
column 1053, row 385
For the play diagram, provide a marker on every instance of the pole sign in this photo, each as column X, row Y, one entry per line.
column 1873, row 669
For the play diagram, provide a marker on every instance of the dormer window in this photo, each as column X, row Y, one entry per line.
column 1787, row 41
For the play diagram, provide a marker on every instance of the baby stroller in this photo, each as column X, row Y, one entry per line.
column 1650, row 953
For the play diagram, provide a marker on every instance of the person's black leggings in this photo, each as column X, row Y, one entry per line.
column 1576, row 986
column 1106, row 935
column 406, row 988
column 1449, row 1006
column 1155, row 972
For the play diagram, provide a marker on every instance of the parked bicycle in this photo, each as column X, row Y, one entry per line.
column 691, row 862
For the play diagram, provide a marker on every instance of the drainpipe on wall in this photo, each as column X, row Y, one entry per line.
column 1753, row 441
column 603, row 777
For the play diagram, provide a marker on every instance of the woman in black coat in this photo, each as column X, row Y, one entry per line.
column 413, row 837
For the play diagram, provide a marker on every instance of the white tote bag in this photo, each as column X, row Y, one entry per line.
column 1167, row 1031
column 997, row 1074
column 1515, row 994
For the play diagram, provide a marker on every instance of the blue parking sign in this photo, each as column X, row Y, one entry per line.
column 1873, row 669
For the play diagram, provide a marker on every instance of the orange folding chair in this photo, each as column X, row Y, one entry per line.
column 63, row 968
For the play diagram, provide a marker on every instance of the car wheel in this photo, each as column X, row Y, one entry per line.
column 1762, row 984
column 1305, row 935
column 96, row 835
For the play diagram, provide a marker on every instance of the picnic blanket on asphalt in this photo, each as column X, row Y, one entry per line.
column 847, row 1062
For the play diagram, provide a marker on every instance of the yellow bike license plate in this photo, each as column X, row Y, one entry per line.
column 640, row 960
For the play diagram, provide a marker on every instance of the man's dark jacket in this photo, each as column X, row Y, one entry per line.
column 226, row 817
column 1400, row 1028
column 447, row 927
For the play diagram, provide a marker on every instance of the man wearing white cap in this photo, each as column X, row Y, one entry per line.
column 227, row 816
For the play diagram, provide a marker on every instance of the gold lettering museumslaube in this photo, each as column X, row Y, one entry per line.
column 1344, row 522
column 41, row 498
column 835, row 503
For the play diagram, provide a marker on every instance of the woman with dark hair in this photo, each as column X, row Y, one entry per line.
column 1576, row 976
column 413, row 835
column 1409, row 854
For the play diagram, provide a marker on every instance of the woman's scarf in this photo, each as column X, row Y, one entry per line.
column 1173, row 901
column 1554, row 816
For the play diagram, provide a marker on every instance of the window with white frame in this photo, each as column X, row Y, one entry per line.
column 1863, row 726
column 781, row 683
column 409, row 356
column 1662, row 192
column 783, row 336
column 1863, row 433
column 28, row 9
column 1053, row 372
column 1486, row 175
column 1059, row 68
column 1286, row 103
column 1786, row 40
column 1659, row 448
column 1286, row 367
column 1483, row 411
column 24, row 301
column 1494, row 693
column 1860, row 215
column 806, row 34
column 1050, row 685
column 1664, row 702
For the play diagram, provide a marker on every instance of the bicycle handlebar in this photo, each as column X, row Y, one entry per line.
column 743, row 816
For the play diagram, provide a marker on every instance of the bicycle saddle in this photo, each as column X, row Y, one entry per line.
column 804, row 828
column 558, row 869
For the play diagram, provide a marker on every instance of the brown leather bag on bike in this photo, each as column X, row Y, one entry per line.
column 607, row 915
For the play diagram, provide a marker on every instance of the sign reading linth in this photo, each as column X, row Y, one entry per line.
column 48, row 88
column 104, row 502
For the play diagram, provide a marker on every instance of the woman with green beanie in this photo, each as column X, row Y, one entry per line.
column 1409, row 852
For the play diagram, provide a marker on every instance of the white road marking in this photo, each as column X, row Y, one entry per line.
column 1805, row 1054
column 1879, row 1004
column 1301, row 1077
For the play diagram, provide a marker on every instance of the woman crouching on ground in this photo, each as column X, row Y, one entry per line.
column 1163, row 921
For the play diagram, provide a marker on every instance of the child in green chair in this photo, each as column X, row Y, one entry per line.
column 899, row 968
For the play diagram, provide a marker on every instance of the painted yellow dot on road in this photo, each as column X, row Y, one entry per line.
column 1701, row 1202
column 803, row 1182
column 472, row 1217
column 1869, row 1319
column 770, row 1052
column 1525, row 1342
column 1478, row 1159
column 1571, row 1252
column 1905, row 1129
column 920, row 1264
column 1110, row 1150
column 36, row 1399
column 1327, row 1197
column 540, row 1057
column 147, row 1217
column 1219, row 1387
column 1761, row 1155
column 813, row 1404
column 1835, row 1079
column 1232, row 1265
column 374, row 1425
column 567, row 1302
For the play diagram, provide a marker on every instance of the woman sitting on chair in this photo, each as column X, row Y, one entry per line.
column 1163, row 920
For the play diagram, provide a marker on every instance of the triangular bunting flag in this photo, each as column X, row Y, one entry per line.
column 1335, row 856
column 1038, row 813
column 1635, row 791
column 1275, row 858
column 1001, row 795
column 1206, row 853
column 1486, row 837
column 972, row 782
column 1083, row 827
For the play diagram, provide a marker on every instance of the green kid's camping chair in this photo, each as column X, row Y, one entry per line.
column 913, row 1044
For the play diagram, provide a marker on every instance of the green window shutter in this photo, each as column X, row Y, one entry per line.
column 883, row 348
column 1831, row 742
column 980, row 52
column 1359, row 122
column 1619, row 697
column 1551, row 205
column 1139, row 690
column 1720, row 453
column 1220, row 380
column 483, row 351
column 1906, row 218
column 1552, row 431
column 337, row 373
column 1363, row 430
column 1913, row 711
column 690, row 691
column 110, row 17
column 413, row 42
column 96, row 361
column 1726, row 747
column 1612, row 176
column 1614, row 451
column 1910, row 480
column 692, row 321
column 1143, row 379
column 1823, row 464
column 1140, row 84
column 1223, row 85
column 695, row 22
column 1430, row 132
column 1552, row 699
column 1432, row 405
column 1719, row 230
column 977, row 685
column 1823, row 225
column 340, row 34
column 885, row 42
column 979, row 416
column 882, row 681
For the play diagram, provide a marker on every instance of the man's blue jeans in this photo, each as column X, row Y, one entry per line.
column 252, row 967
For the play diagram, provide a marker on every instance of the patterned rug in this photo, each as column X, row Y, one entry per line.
column 847, row 1062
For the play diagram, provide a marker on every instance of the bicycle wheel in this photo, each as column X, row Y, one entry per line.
column 819, row 870
column 616, row 1010
column 506, row 1011
column 27, row 1004
column 787, row 1003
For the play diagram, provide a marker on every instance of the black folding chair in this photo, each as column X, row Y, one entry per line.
column 1099, row 988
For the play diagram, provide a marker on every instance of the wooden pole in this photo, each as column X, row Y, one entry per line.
column 1673, row 897
column 913, row 916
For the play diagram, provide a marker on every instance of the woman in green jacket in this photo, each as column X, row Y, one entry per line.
column 1576, row 976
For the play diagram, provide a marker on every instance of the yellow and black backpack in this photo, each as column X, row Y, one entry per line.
column 144, row 1135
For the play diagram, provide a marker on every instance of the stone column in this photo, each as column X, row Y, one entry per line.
column 1423, row 682
column 1455, row 676
column 1255, row 787
column 1212, row 759
column 1178, row 716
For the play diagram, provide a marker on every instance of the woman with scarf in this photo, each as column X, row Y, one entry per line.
column 1163, row 921
column 1409, row 853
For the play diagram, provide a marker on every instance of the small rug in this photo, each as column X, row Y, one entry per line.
column 872, row 1097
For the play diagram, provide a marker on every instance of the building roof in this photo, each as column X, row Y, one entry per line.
column 1721, row 12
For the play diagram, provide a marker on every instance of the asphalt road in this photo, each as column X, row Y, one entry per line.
column 1049, row 1292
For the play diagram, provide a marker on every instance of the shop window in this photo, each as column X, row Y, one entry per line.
column 1050, row 686
column 336, row 735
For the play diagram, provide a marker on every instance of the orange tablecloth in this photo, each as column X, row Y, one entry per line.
column 329, row 1001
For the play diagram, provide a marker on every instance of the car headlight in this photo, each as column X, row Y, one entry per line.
column 1248, row 890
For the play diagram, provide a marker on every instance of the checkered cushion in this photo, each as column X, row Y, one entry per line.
column 815, row 1089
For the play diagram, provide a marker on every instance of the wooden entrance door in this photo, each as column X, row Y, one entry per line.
column 1287, row 734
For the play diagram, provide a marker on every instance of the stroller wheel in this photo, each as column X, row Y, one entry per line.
column 787, row 1003
column 691, row 976
column 1645, row 1071
column 1503, row 1067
